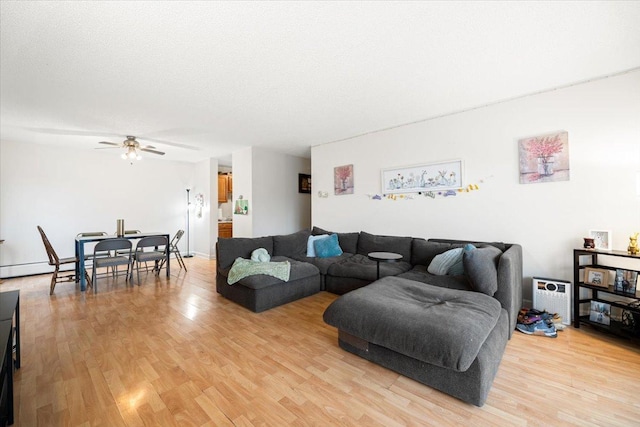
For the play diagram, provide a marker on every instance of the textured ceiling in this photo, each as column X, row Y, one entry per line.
column 201, row 79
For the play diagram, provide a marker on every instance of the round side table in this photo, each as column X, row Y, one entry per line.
column 379, row 257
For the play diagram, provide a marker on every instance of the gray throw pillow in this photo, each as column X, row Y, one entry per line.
column 480, row 267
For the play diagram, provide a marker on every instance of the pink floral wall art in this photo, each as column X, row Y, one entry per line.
column 544, row 158
column 343, row 179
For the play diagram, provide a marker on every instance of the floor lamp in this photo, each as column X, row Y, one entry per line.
column 188, row 254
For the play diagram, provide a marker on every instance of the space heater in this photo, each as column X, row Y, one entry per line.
column 553, row 296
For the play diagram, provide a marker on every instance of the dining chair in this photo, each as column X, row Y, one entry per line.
column 89, row 257
column 158, row 246
column 118, row 253
column 173, row 249
column 127, row 232
column 56, row 261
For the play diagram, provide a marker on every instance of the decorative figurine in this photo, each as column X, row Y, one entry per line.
column 589, row 243
column 633, row 244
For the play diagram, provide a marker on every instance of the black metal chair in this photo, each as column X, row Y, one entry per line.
column 121, row 255
column 173, row 249
column 56, row 261
column 159, row 247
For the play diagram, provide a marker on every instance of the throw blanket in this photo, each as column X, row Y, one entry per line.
column 242, row 268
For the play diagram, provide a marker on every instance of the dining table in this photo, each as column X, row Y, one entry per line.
column 81, row 241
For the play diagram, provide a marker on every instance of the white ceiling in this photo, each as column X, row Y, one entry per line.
column 201, row 79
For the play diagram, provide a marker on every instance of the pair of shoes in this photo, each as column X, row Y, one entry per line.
column 528, row 316
column 559, row 326
column 551, row 317
column 538, row 328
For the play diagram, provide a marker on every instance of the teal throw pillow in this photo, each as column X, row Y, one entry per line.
column 328, row 247
column 311, row 250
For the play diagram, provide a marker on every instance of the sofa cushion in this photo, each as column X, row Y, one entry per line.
column 423, row 251
column 361, row 267
column 298, row 270
column 327, row 248
column 419, row 273
column 481, row 268
column 442, row 327
column 375, row 243
column 232, row 248
column 348, row 241
column 290, row 245
column 323, row 264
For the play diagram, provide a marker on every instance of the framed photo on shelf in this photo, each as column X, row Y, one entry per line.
column 600, row 312
column 626, row 282
column 601, row 238
column 596, row 277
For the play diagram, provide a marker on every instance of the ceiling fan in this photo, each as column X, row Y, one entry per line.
column 132, row 147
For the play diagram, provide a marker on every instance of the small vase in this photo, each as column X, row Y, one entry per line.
column 589, row 243
column 545, row 165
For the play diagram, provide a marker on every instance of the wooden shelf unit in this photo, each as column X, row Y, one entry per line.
column 615, row 327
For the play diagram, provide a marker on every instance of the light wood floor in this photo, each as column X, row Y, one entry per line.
column 176, row 353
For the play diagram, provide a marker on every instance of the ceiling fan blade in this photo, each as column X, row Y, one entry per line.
column 148, row 146
column 172, row 144
column 152, row 151
column 105, row 148
column 109, row 143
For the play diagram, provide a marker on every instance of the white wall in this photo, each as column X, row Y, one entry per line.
column 242, row 164
column 70, row 191
column 271, row 186
column 547, row 219
column 204, row 229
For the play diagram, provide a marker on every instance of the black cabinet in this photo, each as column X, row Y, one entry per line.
column 6, row 373
column 616, row 298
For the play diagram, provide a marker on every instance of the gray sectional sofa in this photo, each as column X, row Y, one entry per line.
column 446, row 331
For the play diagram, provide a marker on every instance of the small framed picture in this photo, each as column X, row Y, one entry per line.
column 626, row 282
column 304, row 183
column 600, row 312
column 601, row 238
column 596, row 277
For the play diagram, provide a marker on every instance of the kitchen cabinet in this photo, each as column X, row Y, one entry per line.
column 223, row 188
column 225, row 229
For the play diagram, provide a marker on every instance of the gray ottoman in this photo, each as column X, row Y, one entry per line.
column 449, row 339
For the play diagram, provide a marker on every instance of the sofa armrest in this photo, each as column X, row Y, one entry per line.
column 510, row 283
